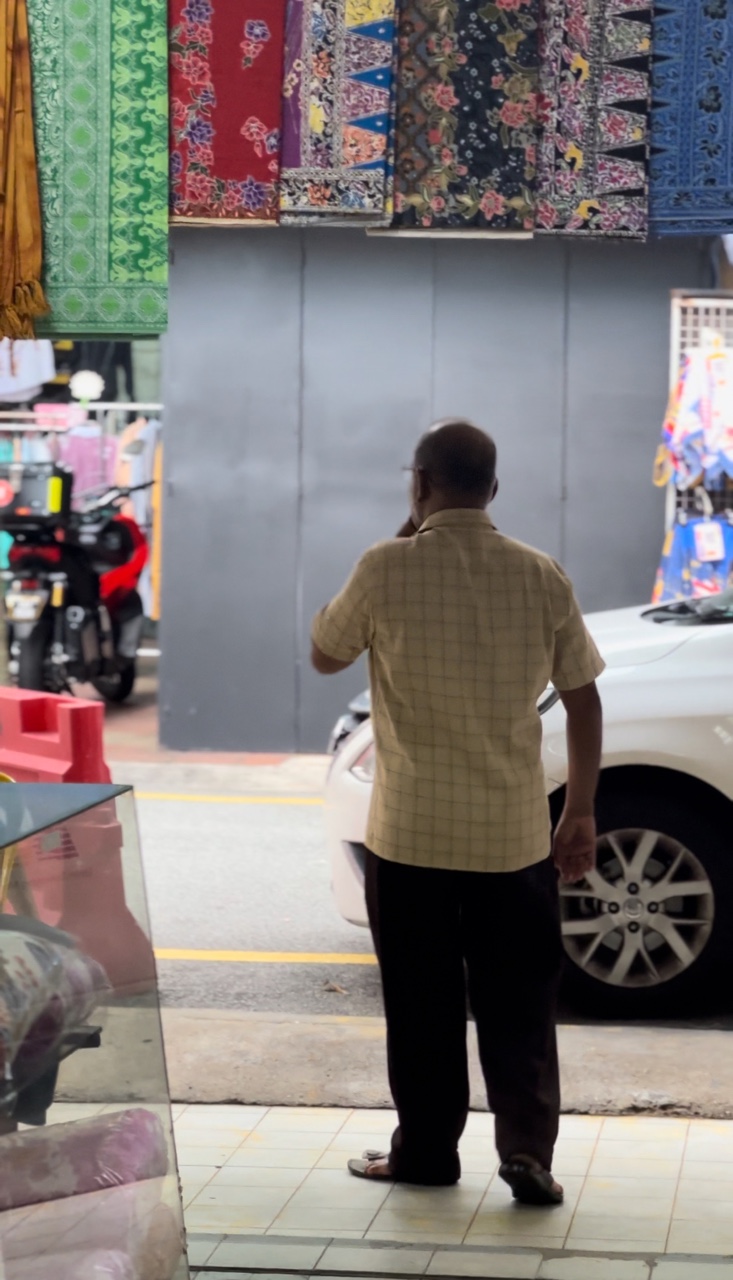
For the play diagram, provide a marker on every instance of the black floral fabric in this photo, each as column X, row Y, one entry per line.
column 466, row 139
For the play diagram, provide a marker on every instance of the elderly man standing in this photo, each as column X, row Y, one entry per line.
column 465, row 628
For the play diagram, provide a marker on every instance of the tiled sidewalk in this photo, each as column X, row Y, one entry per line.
column 269, row 1189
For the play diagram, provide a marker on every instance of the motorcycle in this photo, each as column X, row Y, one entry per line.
column 73, row 612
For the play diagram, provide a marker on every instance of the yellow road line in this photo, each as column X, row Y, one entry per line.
column 190, row 798
column 265, row 957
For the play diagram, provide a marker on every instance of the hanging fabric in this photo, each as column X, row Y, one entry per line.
column 691, row 174
column 92, row 456
column 127, row 446
column 697, row 434
column 7, row 454
column 225, row 83
column 101, row 114
column 22, row 298
column 697, row 560
column 594, row 85
column 25, row 365
column 466, row 115
column 337, row 93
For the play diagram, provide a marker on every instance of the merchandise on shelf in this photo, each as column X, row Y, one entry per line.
column 90, row 1191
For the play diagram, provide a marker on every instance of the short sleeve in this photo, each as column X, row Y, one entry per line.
column 576, row 660
column 344, row 629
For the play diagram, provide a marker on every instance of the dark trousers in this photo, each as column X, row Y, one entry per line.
column 433, row 929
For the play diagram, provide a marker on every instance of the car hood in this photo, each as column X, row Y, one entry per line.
column 627, row 639
column 624, row 636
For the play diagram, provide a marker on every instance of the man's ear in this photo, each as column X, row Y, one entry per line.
column 495, row 490
column 422, row 485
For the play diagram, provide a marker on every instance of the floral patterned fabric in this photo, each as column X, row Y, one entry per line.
column 337, row 96
column 45, row 990
column 594, row 88
column 225, row 75
column 466, row 114
column 692, row 118
column 83, row 1156
column 100, row 111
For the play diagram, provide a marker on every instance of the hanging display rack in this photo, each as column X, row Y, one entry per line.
column 693, row 315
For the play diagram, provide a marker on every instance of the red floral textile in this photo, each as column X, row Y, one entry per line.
column 225, row 89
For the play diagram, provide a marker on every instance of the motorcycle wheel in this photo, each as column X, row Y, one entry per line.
column 117, row 688
column 32, row 658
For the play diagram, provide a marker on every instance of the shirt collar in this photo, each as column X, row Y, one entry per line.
column 456, row 517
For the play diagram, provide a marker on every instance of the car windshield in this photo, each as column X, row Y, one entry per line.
column 694, row 613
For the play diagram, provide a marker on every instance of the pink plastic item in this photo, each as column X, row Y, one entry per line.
column 87, row 1155
column 142, row 1221
column 103, row 1264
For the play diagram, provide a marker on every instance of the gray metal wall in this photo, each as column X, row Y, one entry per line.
column 298, row 371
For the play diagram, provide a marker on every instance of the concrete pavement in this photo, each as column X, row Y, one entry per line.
column 217, row 1056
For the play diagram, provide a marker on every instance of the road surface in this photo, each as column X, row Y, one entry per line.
column 247, row 871
column 239, row 882
column 236, row 860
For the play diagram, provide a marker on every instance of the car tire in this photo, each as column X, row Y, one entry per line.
column 692, row 960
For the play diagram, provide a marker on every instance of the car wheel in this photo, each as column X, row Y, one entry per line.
column 649, row 932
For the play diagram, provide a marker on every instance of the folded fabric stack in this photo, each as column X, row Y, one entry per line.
column 593, row 118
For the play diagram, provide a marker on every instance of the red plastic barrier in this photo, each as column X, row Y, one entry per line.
column 75, row 869
column 46, row 737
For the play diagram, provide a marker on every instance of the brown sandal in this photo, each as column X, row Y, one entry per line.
column 530, row 1183
column 360, row 1168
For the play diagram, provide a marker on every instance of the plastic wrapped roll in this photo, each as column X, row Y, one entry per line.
column 103, row 1264
column 84, row 1156
column 141, row 1221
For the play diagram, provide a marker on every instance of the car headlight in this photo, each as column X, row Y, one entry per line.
column 363, row 768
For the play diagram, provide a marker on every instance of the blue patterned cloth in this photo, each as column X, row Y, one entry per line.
column 691, row 166
column 681, row 576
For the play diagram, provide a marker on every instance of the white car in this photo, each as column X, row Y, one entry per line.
column 651, row 931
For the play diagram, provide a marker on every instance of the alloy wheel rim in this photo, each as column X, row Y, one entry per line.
column 643, row 916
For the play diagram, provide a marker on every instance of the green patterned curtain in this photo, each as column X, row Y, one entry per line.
column 100, row 87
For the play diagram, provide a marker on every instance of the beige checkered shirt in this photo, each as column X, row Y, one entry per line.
column 465, row 629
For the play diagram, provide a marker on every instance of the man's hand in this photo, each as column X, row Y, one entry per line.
column 574, row 847
column 575, row 838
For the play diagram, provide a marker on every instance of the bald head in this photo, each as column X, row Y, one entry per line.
column 459, row 463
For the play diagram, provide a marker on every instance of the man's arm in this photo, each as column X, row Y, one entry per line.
column 575, row 838
column 343, row 630
column 324, row 665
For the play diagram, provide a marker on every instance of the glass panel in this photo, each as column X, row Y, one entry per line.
column 88, row 1171
column 30, row 807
